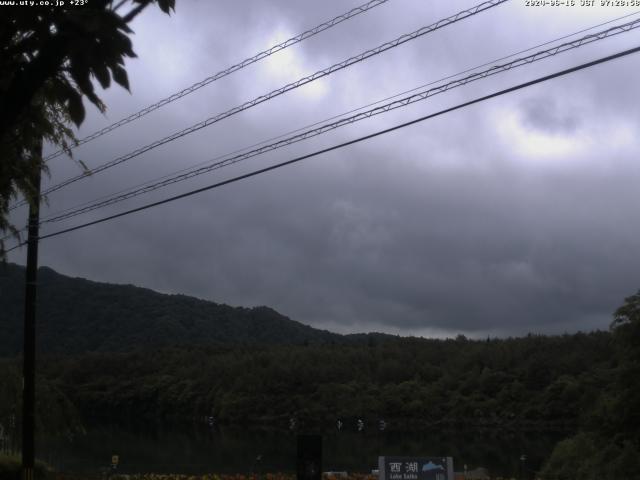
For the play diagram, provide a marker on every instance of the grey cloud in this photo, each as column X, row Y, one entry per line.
column 442, row 227
column 546, row 115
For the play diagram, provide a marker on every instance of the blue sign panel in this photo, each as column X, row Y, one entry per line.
column 415, row 468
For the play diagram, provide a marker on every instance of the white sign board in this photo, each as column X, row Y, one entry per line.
column 415, row 468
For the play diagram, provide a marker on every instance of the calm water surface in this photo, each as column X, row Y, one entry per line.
column 231, row 450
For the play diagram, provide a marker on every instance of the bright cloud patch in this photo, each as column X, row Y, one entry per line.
column 533, row 143
column 288, row 65
column 561, row 142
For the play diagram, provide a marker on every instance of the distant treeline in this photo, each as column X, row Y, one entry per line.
column 534, row 381
column 122, row 353
column 583, row 383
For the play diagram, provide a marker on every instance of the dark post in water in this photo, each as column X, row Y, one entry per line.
column 309, row 465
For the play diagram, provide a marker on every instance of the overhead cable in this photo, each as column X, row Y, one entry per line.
column 342, row 145
column 291, row 86
column 403, row 102
column 228, row 71
column 334, row 117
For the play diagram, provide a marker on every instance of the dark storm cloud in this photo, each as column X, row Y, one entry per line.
column 545, row 114
column 512, row 216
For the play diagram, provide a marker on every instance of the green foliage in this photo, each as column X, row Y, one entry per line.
column 184, row 357
column 141, row 355
column 55, row 413
column 626, row 327
column 609, row 441
column 618, row 414
column 267, row 385
column 588, row 456
column 10, row 468
column 49, row 58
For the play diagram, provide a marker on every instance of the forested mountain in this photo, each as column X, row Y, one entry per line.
column 532, row 381
column 582, row 384
column 76, row 315
column 121, row 353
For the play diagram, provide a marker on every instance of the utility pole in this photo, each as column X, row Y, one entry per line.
column 29, row 350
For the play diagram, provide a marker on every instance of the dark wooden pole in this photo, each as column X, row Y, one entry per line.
column 29, row 352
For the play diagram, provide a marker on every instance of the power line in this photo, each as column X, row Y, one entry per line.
column 416, row 97
column 228, row 71
column 344, row 144
column 129, row 190
column 291, row 86
column 264, row 142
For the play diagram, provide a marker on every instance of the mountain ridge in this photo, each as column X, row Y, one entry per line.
column 76, row 315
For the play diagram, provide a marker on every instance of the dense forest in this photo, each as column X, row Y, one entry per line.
column 532, row 381
column 584, row 384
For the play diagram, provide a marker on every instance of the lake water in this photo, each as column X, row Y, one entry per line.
column 232, row 450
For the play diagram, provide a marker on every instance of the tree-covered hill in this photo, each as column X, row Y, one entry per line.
column 579, row 384
column 75, row 315
column 535, row 381
column 122, row 353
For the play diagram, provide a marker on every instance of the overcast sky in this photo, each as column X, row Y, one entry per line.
column 516, row 215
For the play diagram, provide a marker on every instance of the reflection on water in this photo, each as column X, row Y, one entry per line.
column 228, row 450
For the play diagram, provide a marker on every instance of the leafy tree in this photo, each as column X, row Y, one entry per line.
column 607, row 446
column 626, row 403
column 48, row 59
column 626, row 326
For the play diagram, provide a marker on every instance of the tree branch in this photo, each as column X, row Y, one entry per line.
column 134, row 13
